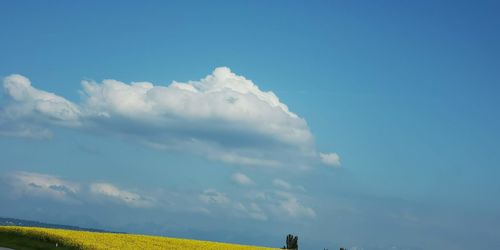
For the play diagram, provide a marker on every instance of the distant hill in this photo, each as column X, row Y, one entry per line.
column 29, row 223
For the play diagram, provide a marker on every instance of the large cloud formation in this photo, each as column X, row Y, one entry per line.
column 222, row 116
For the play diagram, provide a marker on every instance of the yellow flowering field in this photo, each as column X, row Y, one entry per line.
column 96, row 240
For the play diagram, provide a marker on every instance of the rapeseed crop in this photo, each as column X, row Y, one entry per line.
column 116, row 241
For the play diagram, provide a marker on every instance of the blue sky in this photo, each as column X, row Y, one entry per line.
column 382, row 131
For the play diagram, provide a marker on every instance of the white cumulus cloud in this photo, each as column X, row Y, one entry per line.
column 331, row 159
column 223, row 116
column 242, row 179
column 31, row 101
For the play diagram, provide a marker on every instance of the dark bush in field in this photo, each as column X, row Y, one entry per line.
column 291, row 242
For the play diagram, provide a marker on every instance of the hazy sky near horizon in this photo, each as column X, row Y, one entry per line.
column 362, row 124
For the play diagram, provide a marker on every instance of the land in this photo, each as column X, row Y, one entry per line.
column 21, row 242
column 37, row 238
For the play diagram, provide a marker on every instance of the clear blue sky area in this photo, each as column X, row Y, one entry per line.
column 389, row 140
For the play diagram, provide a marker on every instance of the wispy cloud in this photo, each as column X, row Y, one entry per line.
column 294, row 208
column 212, row 196
column 57, row 188
column 35, row 184
column 221, row 203
column 130, row 198
column 282, row 184
column 258, row 204
column 251, row 210
column 284, row 204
